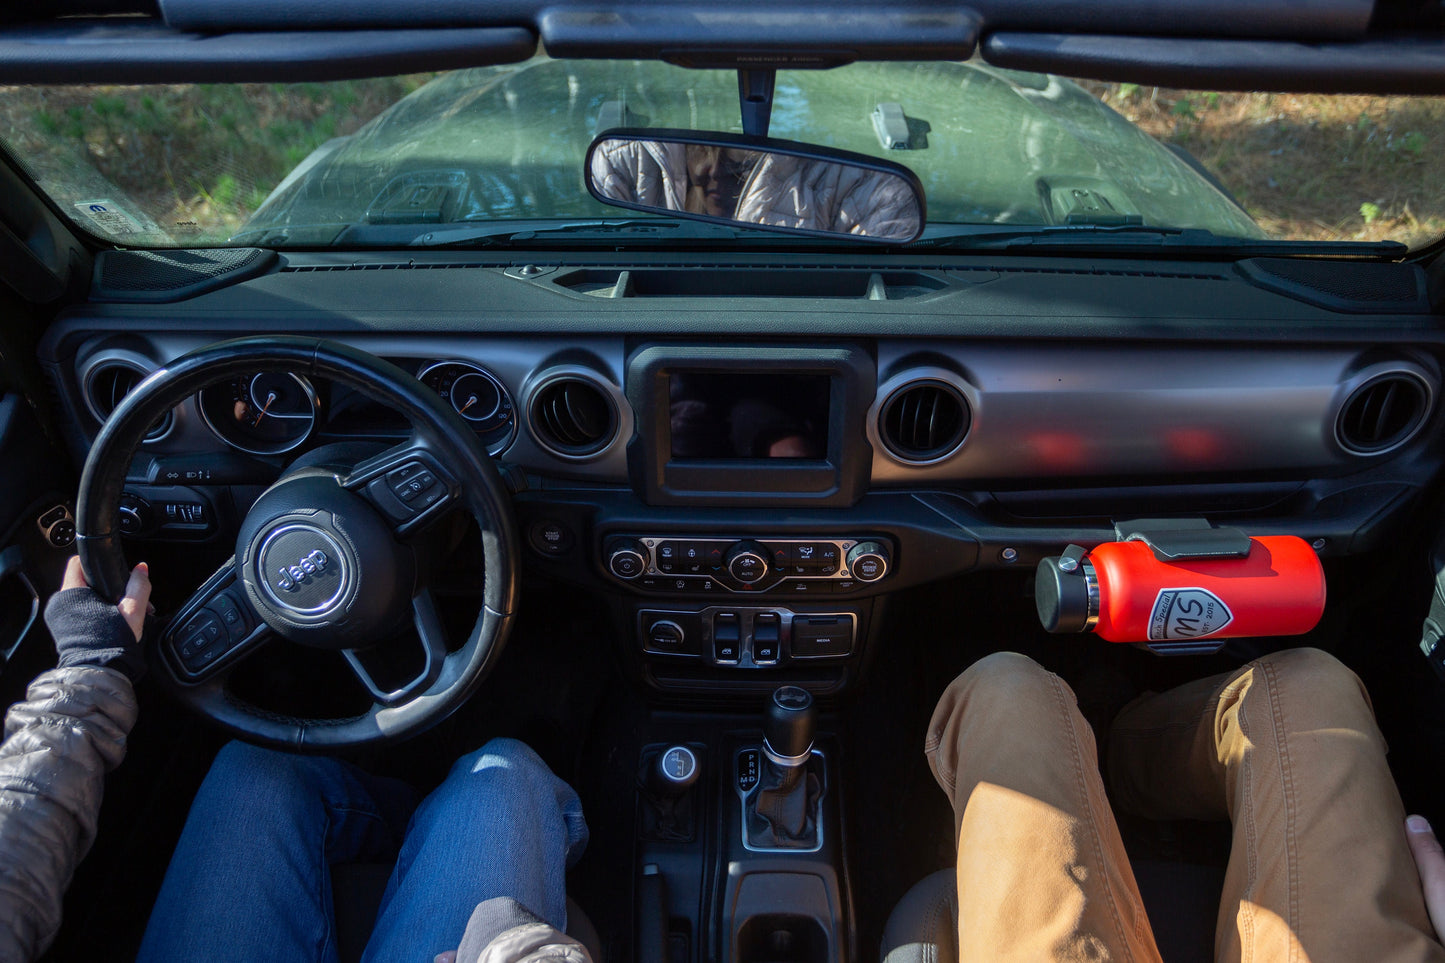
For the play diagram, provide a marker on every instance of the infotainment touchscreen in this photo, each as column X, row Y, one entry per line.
column 717, row 414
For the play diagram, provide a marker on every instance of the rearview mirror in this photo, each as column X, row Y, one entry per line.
column 759, row 182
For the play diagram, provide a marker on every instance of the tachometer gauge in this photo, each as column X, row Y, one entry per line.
column 477, row 395
column 264, row 413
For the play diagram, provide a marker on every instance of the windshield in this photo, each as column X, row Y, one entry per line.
column 387, row 160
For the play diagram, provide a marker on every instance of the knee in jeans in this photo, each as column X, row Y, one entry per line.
column 510, row 759
column 273, row 774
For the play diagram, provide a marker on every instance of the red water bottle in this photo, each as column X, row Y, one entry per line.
column 1183, row 591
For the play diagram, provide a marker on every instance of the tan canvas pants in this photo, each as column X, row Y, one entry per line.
column 1285, row 747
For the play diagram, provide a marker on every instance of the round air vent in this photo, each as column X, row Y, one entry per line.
column 107, row 382
column 1383, row 413
column 572, row 416
column 923, row 421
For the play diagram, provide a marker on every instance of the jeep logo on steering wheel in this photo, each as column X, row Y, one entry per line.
column 292, row 576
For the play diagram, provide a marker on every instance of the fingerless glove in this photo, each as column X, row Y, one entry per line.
column 90, row 631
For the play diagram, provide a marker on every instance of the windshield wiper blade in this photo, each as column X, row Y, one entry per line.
column 1143, row 239
column 651, row 229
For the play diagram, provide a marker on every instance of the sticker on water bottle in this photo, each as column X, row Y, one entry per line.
column 1187, row 613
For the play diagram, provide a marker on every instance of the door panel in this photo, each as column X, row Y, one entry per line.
column 37, row 532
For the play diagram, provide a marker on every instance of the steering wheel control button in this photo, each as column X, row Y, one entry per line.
column 868, row 561
column 627, row 560
column 410, row 480
column 230, row 615
column 201, row 641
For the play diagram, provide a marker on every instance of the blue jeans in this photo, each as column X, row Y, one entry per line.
column 250, row 878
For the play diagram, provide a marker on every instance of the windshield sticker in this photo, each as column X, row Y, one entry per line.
column 1187, row 613
column 109, row 217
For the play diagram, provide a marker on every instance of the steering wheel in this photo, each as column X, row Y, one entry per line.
column 326, row 558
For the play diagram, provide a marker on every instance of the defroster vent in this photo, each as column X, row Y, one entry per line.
column 924, row 421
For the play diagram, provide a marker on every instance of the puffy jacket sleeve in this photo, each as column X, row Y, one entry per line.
column 502, row 930
column 59, row 744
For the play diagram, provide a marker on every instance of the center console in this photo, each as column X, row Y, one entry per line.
column 740, row 845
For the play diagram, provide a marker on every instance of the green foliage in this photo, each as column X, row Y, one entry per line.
column 199, row 158
column 1413, row 142
column 1184, row 108
column 1370, row 212
column 1126, row 91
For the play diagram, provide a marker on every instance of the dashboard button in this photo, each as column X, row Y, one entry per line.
column 550, row 537
column 666, row 636
column 726, row 636
column 627, row 559
column 822, row 636
column 747, row 562
column 806, row 557
column 868, row 561
column 766, row 635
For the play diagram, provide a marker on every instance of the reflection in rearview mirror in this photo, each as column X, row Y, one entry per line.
column 761, row 184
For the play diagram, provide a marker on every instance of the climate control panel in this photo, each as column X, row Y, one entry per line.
column 700, row 565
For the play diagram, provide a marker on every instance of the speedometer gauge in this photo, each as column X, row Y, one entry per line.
column 264, row 412
column 477, row 395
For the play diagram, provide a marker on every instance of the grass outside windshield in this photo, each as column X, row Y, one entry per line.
column 179, row 165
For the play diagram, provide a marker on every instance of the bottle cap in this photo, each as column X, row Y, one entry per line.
column 1062, row 597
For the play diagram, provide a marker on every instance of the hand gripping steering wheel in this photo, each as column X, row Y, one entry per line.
column 325, row 558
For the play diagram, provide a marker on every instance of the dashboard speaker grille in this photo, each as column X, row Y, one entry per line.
column 924, row 421
column 573, row 417
column 159, row 276
column 107, row 384
column 1355, row 286
column 1383, row 413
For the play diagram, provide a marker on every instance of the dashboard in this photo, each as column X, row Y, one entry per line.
column 817, row 436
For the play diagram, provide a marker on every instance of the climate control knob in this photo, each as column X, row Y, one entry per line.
column 868, row 561
column 627, row 559
column 747, row 562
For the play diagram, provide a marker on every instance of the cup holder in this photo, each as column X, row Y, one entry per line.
column 782, row 938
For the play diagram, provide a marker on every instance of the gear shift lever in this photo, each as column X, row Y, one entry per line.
column 788, row 726
column 783, row 812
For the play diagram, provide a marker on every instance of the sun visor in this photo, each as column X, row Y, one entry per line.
column 140, row 51
column 1407, row 64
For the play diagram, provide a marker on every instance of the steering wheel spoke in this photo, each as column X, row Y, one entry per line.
column 214, row 630
column 433, row 637
column 406, row 482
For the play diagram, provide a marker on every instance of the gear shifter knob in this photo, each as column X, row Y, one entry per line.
column 788, row 725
